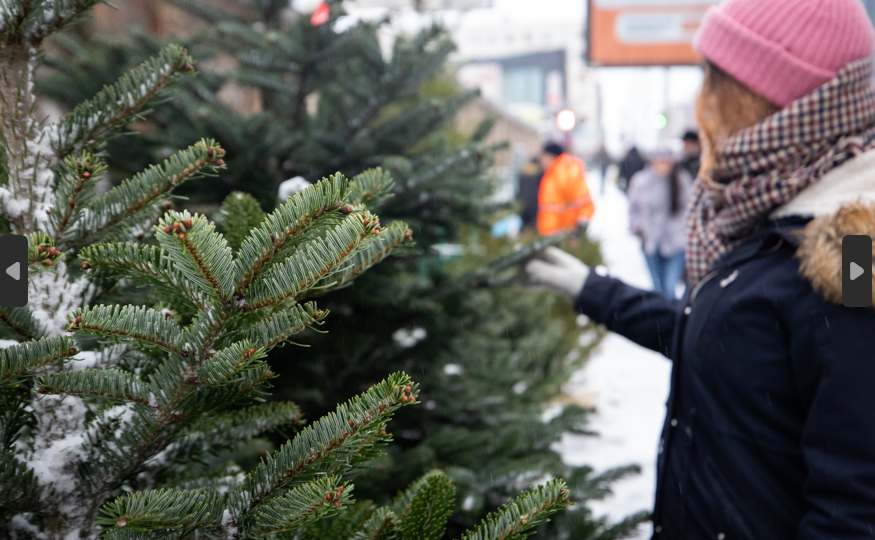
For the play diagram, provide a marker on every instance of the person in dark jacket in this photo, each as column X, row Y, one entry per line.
column 630, row 164
column 692, row 158
column 770, row 425
column 530, row 183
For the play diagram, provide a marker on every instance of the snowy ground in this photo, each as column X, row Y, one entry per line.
column 628, row 384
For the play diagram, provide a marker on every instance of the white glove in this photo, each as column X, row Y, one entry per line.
column 558, row 271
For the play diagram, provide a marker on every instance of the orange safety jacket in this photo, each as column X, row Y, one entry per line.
column 563, row 198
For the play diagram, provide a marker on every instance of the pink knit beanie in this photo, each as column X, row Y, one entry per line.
column 785, row 49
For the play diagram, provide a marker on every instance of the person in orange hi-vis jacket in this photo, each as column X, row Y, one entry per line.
column 564, row 204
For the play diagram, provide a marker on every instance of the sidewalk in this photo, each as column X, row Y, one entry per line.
column 628, row 383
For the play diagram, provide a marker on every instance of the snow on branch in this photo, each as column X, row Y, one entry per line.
column 117, row 104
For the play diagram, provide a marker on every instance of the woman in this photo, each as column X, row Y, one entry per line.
column 770, row 431
column 658, row 196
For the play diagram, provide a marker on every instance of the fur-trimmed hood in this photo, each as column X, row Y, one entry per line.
column 842, row 203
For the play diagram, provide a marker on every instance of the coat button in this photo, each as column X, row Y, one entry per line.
column 674, row 422
column 687, row 310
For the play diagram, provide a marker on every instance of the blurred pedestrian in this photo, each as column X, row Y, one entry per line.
column 658, row 198
column 529, row 183
column 603, row 161
column 770, row 431
column 692, row 159
column 564, row 203
column 631, row 164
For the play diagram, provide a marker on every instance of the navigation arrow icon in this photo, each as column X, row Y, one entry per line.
column 15, row 271
column 856, row 271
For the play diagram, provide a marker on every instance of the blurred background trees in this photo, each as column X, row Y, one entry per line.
column 288, row 97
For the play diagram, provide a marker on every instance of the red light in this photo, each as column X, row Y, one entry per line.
column 321, row 15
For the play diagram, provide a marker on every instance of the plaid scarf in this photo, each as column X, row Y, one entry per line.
column 767, row 165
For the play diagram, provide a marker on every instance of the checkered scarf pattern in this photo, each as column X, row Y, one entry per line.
column 767, row 165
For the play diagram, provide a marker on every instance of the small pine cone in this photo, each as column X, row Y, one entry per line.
column 220, row 162
column 85, row 266
column 329, row 496
column 176, row 225
column 188, row 67
column 71, row 352
column 187, row 224
column 221, row 152
column 78, row 320
column 167, row 229
column 86, row 175
column 47, row 262
column 366, row 222
column 40, row 249
column 408, row 388
column 346, row 209
column 168, row 205
column 336, row 504
column 210, row 152
column 251, row 352
column 140, row 236
column 121, row 522
column 350, row 422
column 270, row 374
column 181, row 236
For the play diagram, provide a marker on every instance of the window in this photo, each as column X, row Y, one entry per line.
column 523, row 85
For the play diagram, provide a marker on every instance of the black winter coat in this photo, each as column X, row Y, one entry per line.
column 770, row 427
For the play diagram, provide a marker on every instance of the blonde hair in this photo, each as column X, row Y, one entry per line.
column 724, row 107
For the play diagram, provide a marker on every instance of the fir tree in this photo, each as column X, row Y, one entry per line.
column 108, row 410
column 489, row 360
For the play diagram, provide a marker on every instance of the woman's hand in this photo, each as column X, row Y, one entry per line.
column 558, row 271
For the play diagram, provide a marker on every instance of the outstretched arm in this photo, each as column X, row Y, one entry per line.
column 645, row 317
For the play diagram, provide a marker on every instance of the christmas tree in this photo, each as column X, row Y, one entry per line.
column 489, row 361
column 123, row 420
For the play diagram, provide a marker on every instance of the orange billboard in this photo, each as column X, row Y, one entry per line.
column 644, row 32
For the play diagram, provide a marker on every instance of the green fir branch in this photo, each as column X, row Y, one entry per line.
column 518, row 518
column 77, row 180
column 371, row 187
column 299, row 506
column 148, row 263
column 281, row 326
column 227, row 363
column 335, row 444
column 20, row 321
column 159, row 510
column 430, row 509
column 372, row 251
column 113, row 106
column 19, row 489
column 41, row 251
column 308, row 265
column 140, row 193
column 105, row 383
column 286, row 227
column 215, row 430
column 240, row 214
column 23, row 359
column 27, row 23
column 128, row 323
column 381, row 525
column 198, row 251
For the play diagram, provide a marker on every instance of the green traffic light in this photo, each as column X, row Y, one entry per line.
column 661, row 121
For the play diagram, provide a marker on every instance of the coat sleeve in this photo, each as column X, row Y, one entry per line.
column 577, row 192
column 833, row 350
column 645, row 317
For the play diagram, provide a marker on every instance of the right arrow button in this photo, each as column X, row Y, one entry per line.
column 856, row 271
